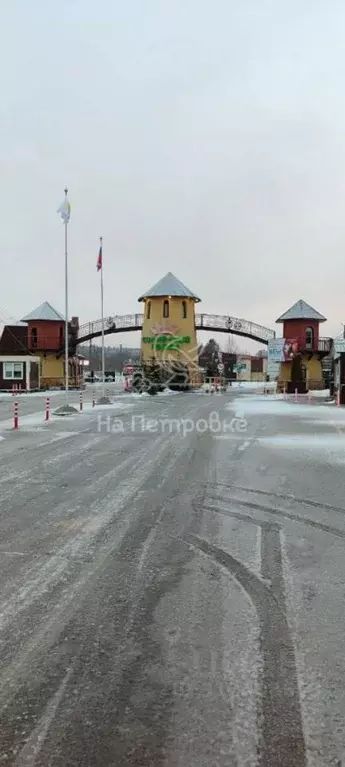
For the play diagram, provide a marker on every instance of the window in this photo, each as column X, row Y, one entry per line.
column 148, row 310
column 309, row 338
column 33, row 336
column 166, row 309
column 184, row 310
column 13, row 370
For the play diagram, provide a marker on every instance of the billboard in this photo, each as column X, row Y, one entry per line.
column 282, row 349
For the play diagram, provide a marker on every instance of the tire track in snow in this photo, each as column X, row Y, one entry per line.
column 278, row 512
column 53, row 572
column 31, row 750
column 282, row 496
column 43, row 577
column 280, row 722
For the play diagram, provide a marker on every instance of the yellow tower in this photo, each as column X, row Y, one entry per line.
column 169, row 332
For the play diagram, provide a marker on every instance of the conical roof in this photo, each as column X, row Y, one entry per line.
column 301, row 311
column 169, row 286
column 44, row 312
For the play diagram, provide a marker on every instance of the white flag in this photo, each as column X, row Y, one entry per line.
column 65, row 211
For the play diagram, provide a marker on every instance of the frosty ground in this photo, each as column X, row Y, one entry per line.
column 173, row 596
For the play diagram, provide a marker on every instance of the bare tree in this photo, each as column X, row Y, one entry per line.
column 231, row 347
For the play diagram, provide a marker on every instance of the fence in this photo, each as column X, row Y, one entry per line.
column 58, row 382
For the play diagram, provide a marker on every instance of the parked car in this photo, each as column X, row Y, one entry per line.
column 89, row 378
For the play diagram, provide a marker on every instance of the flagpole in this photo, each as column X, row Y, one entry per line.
column 102, row 313
column 66, row 304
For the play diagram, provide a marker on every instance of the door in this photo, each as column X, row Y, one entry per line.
column 34, row 375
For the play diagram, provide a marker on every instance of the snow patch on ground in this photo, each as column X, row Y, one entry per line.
column 336, row 423
column 33, row 395
column 260, row 405
column 137, row 395
column 38, row 419
column 280, row 406
column 108, row 386
column 88, row 408
column 111, row 386
column 321, row 442
column 250, row 385
column 327, row 448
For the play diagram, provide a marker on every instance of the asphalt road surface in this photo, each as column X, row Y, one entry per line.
column 172, row 593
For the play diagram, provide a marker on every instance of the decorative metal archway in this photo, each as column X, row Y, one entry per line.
column 210, row 322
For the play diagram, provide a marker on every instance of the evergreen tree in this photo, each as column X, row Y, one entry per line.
column 153, row 375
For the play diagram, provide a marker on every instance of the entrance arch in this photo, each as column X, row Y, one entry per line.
column 214, row 323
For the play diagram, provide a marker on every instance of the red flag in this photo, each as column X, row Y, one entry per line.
column 100, row 259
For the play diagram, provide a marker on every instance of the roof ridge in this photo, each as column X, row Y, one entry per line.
column 169, row 285
column 301, row 310
column 37, row 314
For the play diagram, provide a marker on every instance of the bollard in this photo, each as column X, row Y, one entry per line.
column 338, row 397
column 47, row 409
column 15, row 416
column 284, row 391
column 296, row 395
column 81, row 401
column 93, row 398
column 309, row 397
column 14, row 389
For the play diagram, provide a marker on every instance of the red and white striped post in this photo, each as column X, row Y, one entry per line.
column 338, row 397
column 81, row 401
column 47, row 408
column 15, row 416
column 93, row 398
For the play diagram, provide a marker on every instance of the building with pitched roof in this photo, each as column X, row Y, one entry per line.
column 46, row 338
column 169, row 332
column 41, row 336
column 302, row 348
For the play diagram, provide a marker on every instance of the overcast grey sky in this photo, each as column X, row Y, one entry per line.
column 205, row 137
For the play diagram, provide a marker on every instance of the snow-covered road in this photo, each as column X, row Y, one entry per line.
column 172, row 585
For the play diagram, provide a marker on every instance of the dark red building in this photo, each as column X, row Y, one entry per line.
column 303, row 348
